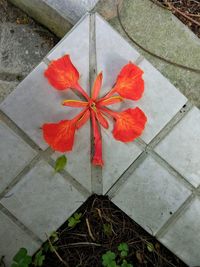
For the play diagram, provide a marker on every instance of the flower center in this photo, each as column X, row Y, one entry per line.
column 92, row 105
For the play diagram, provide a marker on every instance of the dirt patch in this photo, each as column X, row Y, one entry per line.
column 188, row 11
column 101, row 228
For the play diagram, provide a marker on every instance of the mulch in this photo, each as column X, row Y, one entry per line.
column 84, row 245
column 188, row 11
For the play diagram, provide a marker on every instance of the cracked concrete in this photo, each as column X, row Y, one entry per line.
column 23, row 44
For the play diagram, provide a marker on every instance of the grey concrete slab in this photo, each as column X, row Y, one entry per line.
column 181, row 146
column 43, row 200
column 12, row 238
column 183, row 236
column 151, row 195
column 162, row 33
column 15, row 154
column 6, row 88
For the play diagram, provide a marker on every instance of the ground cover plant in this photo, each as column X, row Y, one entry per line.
column 99, row 234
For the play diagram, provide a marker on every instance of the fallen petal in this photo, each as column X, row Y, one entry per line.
column 129, row 124
column 129, row 82
column 60, row 136
column 62, row 74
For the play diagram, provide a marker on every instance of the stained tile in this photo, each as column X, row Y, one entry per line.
column 181, row 146
column 151, row 195
column 15, row 154
column 43, row 200
column 183, row 237
column 12, row 237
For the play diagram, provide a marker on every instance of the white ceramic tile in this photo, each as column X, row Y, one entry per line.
column 160, row 102
column 117, row 156
column 181, row 147
column 113, row 52
column 15, row 154
column 183, row 238
column 151, row 195
column 12, row 237
column 43, row 200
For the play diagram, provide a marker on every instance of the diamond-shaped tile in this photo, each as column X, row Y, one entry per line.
column 151, row 195
column 35, row 102
column 184, row 236
column 181, row 147
column 12, row 237
column 43, row 200
column 15, row 154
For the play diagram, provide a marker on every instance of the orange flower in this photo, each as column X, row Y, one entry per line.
column 129, row 124
column 129, row 82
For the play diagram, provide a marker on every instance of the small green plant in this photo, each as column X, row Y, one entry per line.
column 74, row 220
column 111, row 259
column 107, row 229
column 150, row 247
column 60, row 163
column 39, row 258
column 53, row 238
column 21, row 259
column 123, row 248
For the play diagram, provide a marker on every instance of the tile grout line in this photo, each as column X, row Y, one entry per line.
column 17, row 130
column 22, row 226
column 96, row 171
column 173, row 219
column 125, row 176
column 170, row 125
column 148, row 148
column 40, row 155
column 172, row 171
column 68, row 177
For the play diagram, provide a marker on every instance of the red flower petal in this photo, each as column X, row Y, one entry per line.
column 101, row 119
column 97, row 157
column 74, row 103
column 129, row 124
column 62, row 74
column 60, row 136
column 129, row 82
column 97, row 86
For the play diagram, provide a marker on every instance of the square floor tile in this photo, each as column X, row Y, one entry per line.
column 118, row 157
column 43, row 200
column 15, row 154
column 150, row 195
column 183, row 238
column 161, row 101
column 12, row 237
column 181, row 146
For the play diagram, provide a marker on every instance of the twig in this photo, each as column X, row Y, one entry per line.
column 89, row 229
column 2, row 263
column 150, row 52
column 82, row 244
column 57, row 254
column 182, row 14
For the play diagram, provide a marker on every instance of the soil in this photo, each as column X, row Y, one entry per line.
column 84, row 245
column 188, row 11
